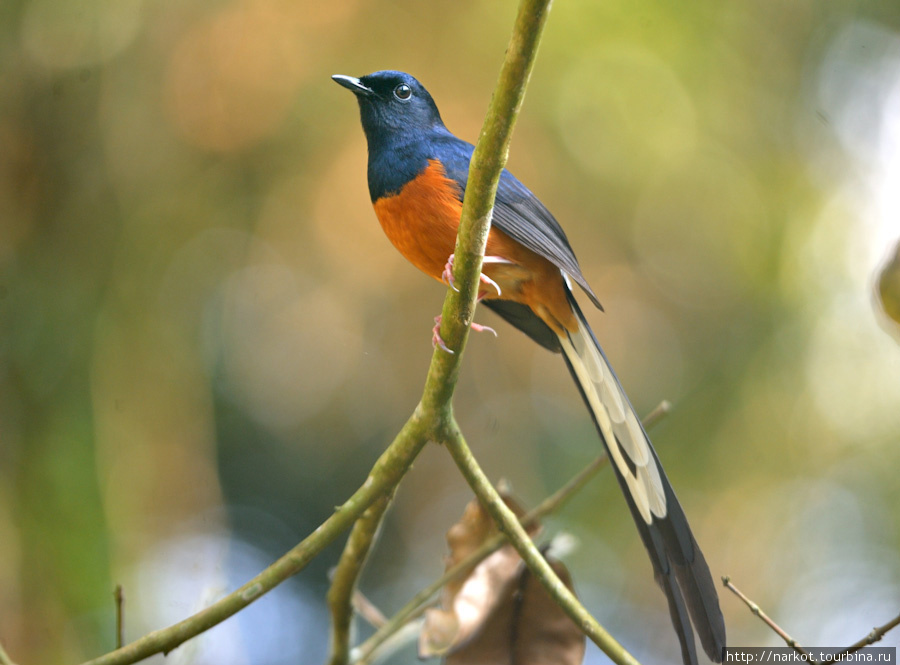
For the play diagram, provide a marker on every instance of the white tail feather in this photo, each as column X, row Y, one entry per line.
column 617, row 422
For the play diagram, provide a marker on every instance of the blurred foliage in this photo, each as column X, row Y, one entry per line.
column 889, row 286
column 205, row 340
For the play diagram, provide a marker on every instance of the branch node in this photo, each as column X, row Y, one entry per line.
column 251, row 592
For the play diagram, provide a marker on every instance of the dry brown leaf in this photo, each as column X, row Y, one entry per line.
column 467, row 601
column 527, row 628
column 499, row 614
column 474, row 527
column 465, row 612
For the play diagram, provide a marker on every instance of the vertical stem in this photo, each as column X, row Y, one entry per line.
column 119, row 597
column 484, row 176
column 485, row 168
column 518, row 538
column 348, row 570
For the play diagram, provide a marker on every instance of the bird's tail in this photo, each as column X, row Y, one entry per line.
column 678, row 563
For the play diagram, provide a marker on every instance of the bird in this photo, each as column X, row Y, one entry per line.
column 417, row 176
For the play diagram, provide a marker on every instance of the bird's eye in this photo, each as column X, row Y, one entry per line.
column 402, row 92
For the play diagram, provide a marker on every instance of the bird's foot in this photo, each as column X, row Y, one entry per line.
column 437, row 340
column 447, row 275
column 477, row 327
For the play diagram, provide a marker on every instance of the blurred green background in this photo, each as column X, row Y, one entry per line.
column 205, row 340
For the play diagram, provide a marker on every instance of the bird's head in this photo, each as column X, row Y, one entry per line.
column 392, row 103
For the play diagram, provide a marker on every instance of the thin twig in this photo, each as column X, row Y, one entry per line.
column 384, row 476
column 368, row 610
column 876, row 635
column 119, row 597
column 661, row 411
column 550, row 505
column 519, row 539
column 346, row 575
column 407, row 634
column 790, row 641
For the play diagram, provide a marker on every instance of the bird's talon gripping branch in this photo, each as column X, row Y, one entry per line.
column 488, row 280
column 477, row 327
column 436, row 339
column 447, row 275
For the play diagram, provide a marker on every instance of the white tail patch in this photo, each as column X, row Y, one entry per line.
column 617, row 422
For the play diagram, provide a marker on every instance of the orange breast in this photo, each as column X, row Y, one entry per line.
column 422, row 219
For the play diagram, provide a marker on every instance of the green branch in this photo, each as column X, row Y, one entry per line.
column 485, row 168
column 433, row 418
column 508, row 523
column 487, row 163
column 484, row 175
column 434, row 412
column 365, row 652
column 346, row 574
column 383, row 478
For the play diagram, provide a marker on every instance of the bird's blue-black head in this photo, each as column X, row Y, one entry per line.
column 392, row 104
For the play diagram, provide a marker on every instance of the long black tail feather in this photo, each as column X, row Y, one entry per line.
column 679, row 566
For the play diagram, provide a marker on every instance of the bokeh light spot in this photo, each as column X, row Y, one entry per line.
column 852, row 371
column 623, row 110
column 701, row 232
column 346, row 227
column 285, row 350
column 78, row 34
column 232, row 78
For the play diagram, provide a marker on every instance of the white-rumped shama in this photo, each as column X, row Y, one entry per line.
column 417, row 178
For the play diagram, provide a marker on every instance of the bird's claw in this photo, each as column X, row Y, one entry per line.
column 477, row 327
column 488, row 280
column 438, row 341
column 447, row 275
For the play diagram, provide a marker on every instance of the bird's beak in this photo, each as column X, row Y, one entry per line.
column 354, row 85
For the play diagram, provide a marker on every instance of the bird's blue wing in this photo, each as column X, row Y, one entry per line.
column 517, row 212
